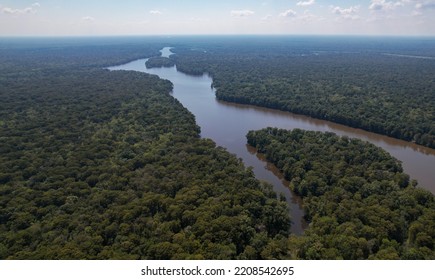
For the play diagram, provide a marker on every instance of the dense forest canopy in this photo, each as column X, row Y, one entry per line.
column 42, row 55
column 97, row 164
column 384, row 85
column 359, row 202
column 108, row 165
column 156, row 62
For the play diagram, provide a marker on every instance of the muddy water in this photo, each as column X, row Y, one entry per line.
column 227, row 124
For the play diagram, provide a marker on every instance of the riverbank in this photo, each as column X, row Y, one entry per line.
column 345, row 80
column 227, row 123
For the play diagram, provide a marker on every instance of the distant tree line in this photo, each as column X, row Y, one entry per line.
column 351, row 82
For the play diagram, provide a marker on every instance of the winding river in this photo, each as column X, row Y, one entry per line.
column 227, row 125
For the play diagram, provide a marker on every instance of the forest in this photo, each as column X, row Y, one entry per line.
column 156, row 62
column 359, row 203
column 351, row 81
column 108, row 165
column 99, row 164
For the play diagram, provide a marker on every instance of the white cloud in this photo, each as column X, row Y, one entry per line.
column 306, row 3
column 156, row 12
column 7, row 10
column 88, row 19
column 347, row 13
column 383, row 5
column 421, row 6
column 424, row 5
column 241, row 13
column 32, row 9
column 288, row 13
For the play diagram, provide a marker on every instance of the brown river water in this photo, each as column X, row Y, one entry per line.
column 227, row 124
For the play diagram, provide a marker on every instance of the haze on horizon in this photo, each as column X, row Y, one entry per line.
column 195, row 17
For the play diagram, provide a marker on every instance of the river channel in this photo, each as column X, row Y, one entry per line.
column 227, row 124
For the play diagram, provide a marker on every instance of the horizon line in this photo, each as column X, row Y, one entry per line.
column 219, row 35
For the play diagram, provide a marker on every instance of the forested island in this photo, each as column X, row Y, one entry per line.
column 159, row 62
column 359, row 203
column 99, row 164
column 355, row 81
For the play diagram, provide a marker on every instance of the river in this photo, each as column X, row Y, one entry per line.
column 227, row 124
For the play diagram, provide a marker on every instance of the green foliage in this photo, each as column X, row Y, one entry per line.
column 156, row 62
column 345, row 80
column 108, row 165
column 359, row 203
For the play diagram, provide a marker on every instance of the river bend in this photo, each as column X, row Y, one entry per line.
column 227, row 124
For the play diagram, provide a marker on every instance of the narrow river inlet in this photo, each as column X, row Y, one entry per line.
column 227, row 124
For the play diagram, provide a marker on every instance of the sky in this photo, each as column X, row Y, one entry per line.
column 185, row 17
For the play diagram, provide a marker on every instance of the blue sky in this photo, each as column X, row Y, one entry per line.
column 172, row 17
